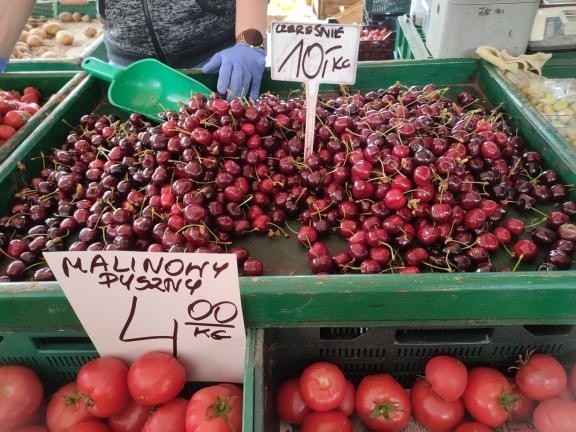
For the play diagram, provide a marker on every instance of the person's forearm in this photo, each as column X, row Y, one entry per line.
column 13, row 16
column 251, row 14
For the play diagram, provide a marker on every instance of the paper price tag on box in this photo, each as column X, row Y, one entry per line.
column 182, row 303
column 314, row 54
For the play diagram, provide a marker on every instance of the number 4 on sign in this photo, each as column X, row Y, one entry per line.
column 314, row 54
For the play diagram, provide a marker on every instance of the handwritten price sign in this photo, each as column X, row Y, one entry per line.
column 187, row 304
column 314, row 54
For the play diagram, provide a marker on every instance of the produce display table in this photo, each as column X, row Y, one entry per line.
column 39, row 328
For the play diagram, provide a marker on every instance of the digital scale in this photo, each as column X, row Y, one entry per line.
column 455, row 28
column 554, row 26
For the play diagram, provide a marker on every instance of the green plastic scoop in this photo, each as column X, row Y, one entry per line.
column 146, row 86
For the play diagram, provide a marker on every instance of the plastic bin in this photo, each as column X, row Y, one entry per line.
column 409, row 42
column 559, row 66
column 290, row 296
column 379, row 10
column 281, row 354
column 51, row 8
column 379, row 49
column 54, row 87
column 457, row 27
column 55, row 356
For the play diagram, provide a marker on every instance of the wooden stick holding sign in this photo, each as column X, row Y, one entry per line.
column 314, row 54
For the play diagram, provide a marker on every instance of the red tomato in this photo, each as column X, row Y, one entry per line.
column 472, row 427
column 20, row 396
column 234, row 388
column 348, row 404
column 103, row 381
column 6, row 106
column 448, row 377
column 289, row 404
column 170, row 417
column 214, row 409
column 16, row 118
column 382, row 403
column 327, row 421
column 572, row 381
column 31, row 108
column 522, row 407
column 66, row 408
column 567, row 394
column 6, row 132
column 555, row 415
column 30, row 98
column 433, row 411
column 31, row 90
column 33, row 429
column 541, row 377
column 130, row 419
column 488, row 396
column 156, row 378
column 89, row 426
column 322, row 386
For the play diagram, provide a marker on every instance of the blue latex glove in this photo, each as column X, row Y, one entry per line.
column 3, row 63
column 240, row 70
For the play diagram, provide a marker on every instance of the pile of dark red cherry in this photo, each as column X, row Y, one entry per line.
column 411, row 180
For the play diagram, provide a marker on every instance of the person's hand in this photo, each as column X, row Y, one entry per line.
column 3, row 64
column 240, row 70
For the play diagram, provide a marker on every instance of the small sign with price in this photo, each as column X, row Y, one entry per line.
column 134, row 302
column 314, row 54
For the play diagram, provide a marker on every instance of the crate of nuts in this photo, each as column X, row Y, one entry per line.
column 58, row 38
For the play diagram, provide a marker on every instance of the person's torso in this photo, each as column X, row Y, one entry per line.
column 181, row 33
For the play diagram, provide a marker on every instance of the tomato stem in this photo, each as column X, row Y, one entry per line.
column 220, row 408
column 507, row 401
column 384, row 410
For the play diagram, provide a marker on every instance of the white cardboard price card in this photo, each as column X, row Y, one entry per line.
column 134, row 302
column 314, row 54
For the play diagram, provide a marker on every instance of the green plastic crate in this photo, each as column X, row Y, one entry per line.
column 296, row 298
column 43, row 8
column 409, row 41
column 51, row 8
column 54, row 86
column 56, row 355
column 91, row 8
column 281, row 354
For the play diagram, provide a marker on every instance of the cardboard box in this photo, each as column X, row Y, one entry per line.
column 329, row 8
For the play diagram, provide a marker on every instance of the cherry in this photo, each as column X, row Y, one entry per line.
column 395, row 199
column 428, row 234
column 474, row 218
column 503, row 235
column 526, row 249
column 488, row 242
column 514, row 225
column 252, row 267
column 543, row 236
column 567, row 231
column 559, row 259
column 321, row 264
column 307, row 235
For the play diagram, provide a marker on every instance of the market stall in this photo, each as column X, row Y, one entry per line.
column 433, row 222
